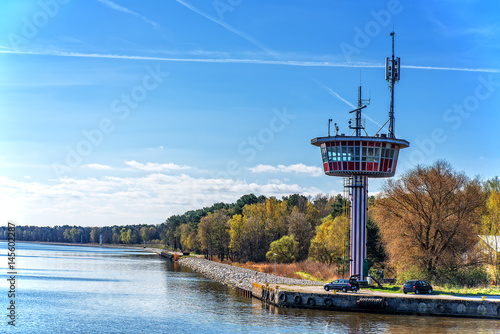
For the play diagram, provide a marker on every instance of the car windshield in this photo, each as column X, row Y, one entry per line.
column 410, row 282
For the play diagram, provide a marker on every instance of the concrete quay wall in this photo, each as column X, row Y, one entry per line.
column 287, row 292
column 287, row 296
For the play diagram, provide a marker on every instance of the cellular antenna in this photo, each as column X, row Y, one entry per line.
column 392, row 74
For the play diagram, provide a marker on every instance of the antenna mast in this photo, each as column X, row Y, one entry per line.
column 392, row 70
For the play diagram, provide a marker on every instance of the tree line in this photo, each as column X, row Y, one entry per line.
column 427, row 223
column 294, row 228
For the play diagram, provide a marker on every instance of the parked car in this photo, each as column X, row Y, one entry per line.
column 417, row 287
column 342, row 284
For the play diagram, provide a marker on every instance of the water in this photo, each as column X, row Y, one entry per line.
column 71, row 289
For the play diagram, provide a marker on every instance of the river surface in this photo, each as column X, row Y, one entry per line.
column 71, row 289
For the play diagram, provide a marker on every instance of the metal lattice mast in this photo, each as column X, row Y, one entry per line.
column 392, row 70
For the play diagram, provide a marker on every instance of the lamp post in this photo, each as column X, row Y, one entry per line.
column 275, row 264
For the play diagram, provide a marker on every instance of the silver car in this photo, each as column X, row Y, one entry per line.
column 340, row 284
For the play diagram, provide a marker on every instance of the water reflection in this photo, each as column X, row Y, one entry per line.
column 352, row 322
column 95, row 290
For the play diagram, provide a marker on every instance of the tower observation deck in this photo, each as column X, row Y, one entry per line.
column 358, row 158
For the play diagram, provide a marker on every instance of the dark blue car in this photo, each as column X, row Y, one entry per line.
column 417, row 286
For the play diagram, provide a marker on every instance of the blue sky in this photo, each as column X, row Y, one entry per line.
column 127, row 112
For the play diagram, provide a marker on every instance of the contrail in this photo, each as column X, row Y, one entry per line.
column 334, row 93
column 122, row 9
column 229, row 28
column 241, row 61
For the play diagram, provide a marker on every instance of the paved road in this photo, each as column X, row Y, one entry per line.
column 366, row 292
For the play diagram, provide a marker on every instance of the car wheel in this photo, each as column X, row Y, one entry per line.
column 429, row 291
column 405, row 292
column 416, row 292
column 344, row 289
column 327, row 288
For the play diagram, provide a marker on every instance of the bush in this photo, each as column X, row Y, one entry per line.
column 412, row 273
column 453, row 276
column 286, row 250
column 469, row 277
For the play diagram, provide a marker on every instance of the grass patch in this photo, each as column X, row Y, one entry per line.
column 479, row 291
column 310, row 277
column 450, row 291
column 390, row 289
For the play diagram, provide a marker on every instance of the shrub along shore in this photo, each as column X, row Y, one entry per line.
column 236, row 276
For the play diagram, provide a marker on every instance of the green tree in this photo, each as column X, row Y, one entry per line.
column 285, row 250
column 151, row 233
column 95, row 234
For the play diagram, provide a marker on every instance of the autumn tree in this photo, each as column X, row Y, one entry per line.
column 320, row 203
column 236, row 233
column 253, row 244
column 490, row 227
column 116, row 235
column 144, row 233
column 185, row 237
column 300, row 228
column 124, row 237
column 259, row 225
column 95, row 234
column 213, row 234
column 151, row 232
column 429, row 218
column 328, row 245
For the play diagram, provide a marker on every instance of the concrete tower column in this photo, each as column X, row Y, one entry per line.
column 359, row 207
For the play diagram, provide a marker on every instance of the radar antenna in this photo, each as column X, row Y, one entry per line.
column 359, row 123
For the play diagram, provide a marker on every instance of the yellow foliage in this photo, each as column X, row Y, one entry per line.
column 327, row 245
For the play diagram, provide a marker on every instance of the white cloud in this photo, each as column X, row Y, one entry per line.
column 98, row 166
column 156, row 167
column 295, row 169
column 125, row 200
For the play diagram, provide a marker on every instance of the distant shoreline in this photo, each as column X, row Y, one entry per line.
column 147, row 249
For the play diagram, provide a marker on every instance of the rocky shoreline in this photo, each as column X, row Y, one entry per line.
column 235, row 276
